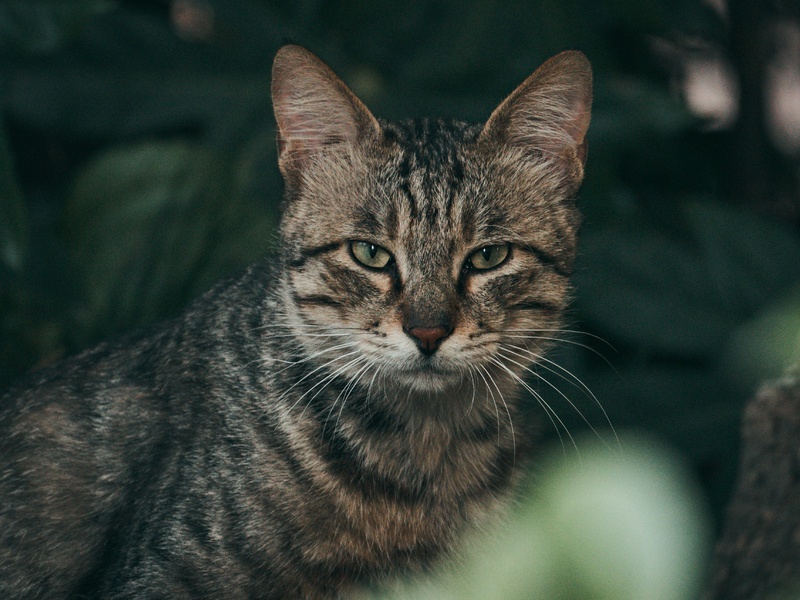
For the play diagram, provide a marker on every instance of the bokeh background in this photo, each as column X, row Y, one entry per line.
column 137, row 166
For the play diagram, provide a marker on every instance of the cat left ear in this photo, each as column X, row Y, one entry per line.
column 549, row 113
column 314, row 109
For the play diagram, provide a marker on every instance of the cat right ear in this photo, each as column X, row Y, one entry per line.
column 314, row 109
column 548, row 114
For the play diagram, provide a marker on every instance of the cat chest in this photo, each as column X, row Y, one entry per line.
column 365, row 519
column 383, row 533
column 393, row 500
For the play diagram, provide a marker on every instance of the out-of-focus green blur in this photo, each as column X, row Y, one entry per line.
column 618, row 522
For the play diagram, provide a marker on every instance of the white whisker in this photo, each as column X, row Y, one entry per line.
column 315, row 355
column 325, row 382
column 566, row 375
column 344, row 394
column 559, row 392
column 471, row 373
column 307, row 375
column 528, row 334
column 549, row 411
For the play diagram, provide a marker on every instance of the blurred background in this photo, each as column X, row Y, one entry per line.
column 137, row 166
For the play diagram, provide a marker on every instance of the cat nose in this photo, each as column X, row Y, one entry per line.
column 428, row 338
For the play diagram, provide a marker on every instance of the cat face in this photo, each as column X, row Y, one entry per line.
column 428, row 252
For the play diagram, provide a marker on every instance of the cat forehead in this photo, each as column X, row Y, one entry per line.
column 431, row 175
column 429, row 140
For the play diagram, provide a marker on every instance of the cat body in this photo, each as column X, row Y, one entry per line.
column 334, row 415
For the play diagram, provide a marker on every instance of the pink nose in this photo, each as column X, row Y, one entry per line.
column 428, row 338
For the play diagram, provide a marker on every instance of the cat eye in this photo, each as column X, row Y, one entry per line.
column 488, row 257
column 370, row 255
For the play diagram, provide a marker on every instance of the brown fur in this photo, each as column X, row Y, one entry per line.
column 297, row 432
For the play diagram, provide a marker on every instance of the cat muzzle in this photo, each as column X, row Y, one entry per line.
column 428, row 339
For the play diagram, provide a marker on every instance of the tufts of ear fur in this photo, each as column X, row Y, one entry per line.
column 548, row 114
column 314, row 109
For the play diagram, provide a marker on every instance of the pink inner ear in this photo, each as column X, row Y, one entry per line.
column 578, row 123
column 298, row 131
column 549, row 112
column 309, row 124
column 555, row 118
column 313, row 107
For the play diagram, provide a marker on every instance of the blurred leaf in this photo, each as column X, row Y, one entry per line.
column 664, row 16
column 13, row 219
column 678, row 402
column 121, row 103
column 646, row 290
column 629, row 523
column 611, row 525
column 750, row 260
column 652, row 290
column 128, row 73
column 36, row 26
column 30, row 333
column 768, row 345
column 145, row 223
column 630, row 111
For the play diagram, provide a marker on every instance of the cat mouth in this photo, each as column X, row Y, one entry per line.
column 427, row 373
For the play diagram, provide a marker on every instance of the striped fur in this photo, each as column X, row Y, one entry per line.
column 288, row 437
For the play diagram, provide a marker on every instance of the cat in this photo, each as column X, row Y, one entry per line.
column 338, row 413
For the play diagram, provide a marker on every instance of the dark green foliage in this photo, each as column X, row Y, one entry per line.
column 138, row 165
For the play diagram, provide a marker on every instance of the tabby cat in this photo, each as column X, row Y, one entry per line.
column 337, row 413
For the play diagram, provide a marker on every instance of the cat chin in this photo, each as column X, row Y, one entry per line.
column 428, row 380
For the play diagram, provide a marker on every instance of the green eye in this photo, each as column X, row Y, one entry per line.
column 489, row 257
column 370, row 255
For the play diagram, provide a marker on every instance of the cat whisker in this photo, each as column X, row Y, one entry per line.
column 480, row 370
column 311, row 357
column 551, row 366
column 325, row 382
column 497, row 411
column 527, row 334
column 510, row 420
column 348, row 388
column 306, row 335
column 295, row 325
column 552, row 415
column 566, row 375
column 315, row 355
column 300, row 360
column 472, row 401
column 560, row 393
column 379, row 367
column 560, row 330
column 307, row 375
column 352, row 384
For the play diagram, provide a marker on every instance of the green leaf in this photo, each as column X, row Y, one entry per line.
column 627, row 523
column 146, row 223
column 129, row 74
column 644, row 289
column 612, row 524
column 768, row 345
column 36, row 27
column 750, row 260
column 682, row 294
column 13, row 212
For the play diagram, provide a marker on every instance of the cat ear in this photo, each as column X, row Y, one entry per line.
column 313, row 107
column 549, row 113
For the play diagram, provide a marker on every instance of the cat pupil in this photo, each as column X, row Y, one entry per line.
column 373, row 250
column 487, row 252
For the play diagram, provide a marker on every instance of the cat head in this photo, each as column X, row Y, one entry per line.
column 428, row 251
